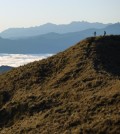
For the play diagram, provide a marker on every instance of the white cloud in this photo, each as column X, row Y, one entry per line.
column 16, row 60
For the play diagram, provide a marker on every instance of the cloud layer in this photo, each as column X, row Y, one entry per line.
column 16, row 60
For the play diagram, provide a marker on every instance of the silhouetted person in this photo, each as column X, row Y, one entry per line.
column 95, row 34
column 104, row 33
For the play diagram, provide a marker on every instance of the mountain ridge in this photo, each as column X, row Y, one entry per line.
column 75, row 91
column 49, row 27
column 51, row 42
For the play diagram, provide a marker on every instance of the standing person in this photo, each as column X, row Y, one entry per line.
column 104, row 33
column 95, row 34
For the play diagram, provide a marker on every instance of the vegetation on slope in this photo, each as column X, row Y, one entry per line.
column 76, row 91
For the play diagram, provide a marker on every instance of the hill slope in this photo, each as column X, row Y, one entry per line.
column 75, row 91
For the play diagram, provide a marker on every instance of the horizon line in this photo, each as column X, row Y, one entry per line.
column 33, row 26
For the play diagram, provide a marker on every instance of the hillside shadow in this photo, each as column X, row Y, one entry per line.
column 108, row 56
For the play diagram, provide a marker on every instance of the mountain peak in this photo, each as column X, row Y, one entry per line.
column 49, row 24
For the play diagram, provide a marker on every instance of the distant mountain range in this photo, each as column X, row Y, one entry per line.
column 5, row 69
column 52, row 42
column 48, row 28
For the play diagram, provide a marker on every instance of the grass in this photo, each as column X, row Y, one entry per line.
column 75, row 91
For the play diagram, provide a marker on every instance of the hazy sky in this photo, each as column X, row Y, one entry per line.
column 26, row 13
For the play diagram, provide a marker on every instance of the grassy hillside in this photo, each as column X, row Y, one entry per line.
column 74, row 92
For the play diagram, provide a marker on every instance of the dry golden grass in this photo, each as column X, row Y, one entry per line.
column 74, row 92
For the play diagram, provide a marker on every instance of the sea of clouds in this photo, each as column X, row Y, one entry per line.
column 16, row 60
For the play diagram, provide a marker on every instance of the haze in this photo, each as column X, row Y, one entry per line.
column 16, row 60
column 26, row 13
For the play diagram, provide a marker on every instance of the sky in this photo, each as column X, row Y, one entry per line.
column 27, row 13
